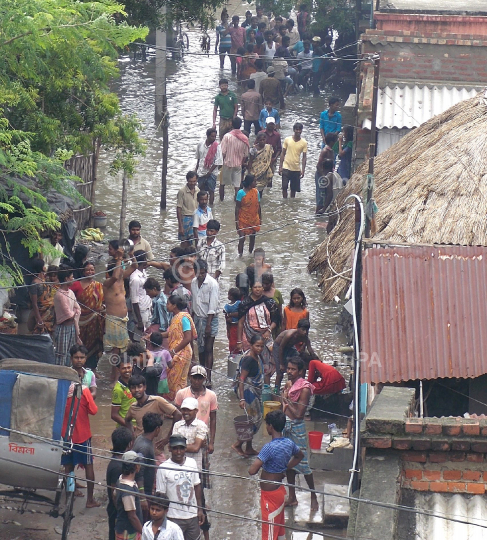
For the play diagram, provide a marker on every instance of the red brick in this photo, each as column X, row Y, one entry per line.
column 472, row 475
column 433, row 427
column 479, row 447
column 456, row 487
column 421, row 444
column 452, row 428
column 456, row 456
column 460, row 446
column 432, row 475
column 452, row 475
column 471, row 427
column 414, row 425
column 401, row 443
column 414, row 474
column 438, row 457
column 476, row 489
column 475, row 458
column 442, row 445
column 377, row 442
column 415, row 457
column 439, row 487
column 421, row 486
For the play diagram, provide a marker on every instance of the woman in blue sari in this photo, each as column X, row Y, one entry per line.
column 250, row 379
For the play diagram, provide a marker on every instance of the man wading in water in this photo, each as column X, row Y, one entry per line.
column 276, row 458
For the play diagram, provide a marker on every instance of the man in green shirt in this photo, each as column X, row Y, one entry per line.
column 121, row 395
column 227, row 102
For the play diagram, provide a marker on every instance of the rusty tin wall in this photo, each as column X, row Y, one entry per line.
column 424, row 313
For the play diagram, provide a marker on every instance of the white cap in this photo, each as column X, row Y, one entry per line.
column 270, row 120
column 189, row 403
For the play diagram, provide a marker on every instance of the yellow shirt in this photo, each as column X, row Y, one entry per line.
column 294, row 149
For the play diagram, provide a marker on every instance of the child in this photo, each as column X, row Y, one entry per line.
column 78, row 360
column 163, row 358
column 121, row 440
column 201, row 216
column 269, row 111
column 231, row 317
column 158, row 513
column 144, row 364
column 295, row 311
column 129, row 512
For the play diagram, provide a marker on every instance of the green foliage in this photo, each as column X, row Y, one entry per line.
column 57, row 58
column 336, row 14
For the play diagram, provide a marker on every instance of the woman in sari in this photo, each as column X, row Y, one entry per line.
column 41, row 318
column 89, row 294
column 258, row 315
column 247, row 213
column 249, row 390
column 260, row 162
column 180, row 334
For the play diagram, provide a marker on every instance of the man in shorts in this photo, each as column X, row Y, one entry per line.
column 235, row 150
column 208, row 160
column 81, row 452
column 290, row 168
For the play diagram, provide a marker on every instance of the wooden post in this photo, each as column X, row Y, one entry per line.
column 372, row 144
column 161, row 104
column 123, row 209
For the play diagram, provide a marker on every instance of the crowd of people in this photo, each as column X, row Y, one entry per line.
column 158, row 331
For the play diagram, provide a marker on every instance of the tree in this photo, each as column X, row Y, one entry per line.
column 57, row 59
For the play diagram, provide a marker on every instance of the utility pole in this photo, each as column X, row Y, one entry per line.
column 161, row 116
column 372, row 144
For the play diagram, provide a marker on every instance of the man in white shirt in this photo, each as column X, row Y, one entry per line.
column 160, row 527
column 205, row 294
column 209, row 158
column 54, row 240
column 141, row 301
column 211, row 250
column 179, row 478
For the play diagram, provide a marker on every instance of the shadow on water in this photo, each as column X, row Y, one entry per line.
column 192, row 85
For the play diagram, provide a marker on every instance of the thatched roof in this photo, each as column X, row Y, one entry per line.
column 430, row 188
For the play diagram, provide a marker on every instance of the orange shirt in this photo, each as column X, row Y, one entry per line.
column 293, row 317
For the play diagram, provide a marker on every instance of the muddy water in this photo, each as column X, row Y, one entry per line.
column 290, row 233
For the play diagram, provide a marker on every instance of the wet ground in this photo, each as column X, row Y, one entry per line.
column 289, row 235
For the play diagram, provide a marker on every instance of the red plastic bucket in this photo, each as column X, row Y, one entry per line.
column 315, row 438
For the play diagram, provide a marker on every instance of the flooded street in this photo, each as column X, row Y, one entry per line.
column 289, row 235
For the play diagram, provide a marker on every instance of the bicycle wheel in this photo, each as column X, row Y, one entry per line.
column 68, row 515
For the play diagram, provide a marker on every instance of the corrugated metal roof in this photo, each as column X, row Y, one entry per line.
column 424, row 313
column 462, row 507
column 411, row 106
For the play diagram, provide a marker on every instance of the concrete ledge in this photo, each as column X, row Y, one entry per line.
column 389, row 411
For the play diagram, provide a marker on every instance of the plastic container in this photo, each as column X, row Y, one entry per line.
column 232, row 366
column 315, row 439
column 99, row 221
column 271, row 406
column 244, row 428
column 266, row 393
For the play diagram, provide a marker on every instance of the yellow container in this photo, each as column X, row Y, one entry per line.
column 271, row 406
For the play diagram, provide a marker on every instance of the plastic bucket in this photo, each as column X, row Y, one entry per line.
column 315, row 438
column 244, row 428
column 232, row 366
column 266, row 393
column 271, row 406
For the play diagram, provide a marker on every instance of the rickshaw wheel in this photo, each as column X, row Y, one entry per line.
column 68, row 515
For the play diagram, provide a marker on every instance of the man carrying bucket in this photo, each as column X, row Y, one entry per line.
column 275, row 458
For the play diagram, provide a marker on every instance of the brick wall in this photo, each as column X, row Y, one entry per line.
column 444, row 24
column 443, row 62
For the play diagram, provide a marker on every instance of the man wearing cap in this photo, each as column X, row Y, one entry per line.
column 270, row 88
column 128, row 525
column 207, row 401
column 196, row 433
column 180, row 479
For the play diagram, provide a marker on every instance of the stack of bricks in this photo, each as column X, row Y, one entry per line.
column 445, row 455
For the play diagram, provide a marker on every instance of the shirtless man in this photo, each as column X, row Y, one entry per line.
column 275, row 459
column 116, row 335
column 285, row 347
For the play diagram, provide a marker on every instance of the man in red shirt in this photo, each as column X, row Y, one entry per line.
column 239, row 36
column 81, row 453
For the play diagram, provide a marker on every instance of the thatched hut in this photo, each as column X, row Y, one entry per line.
column 430, row 188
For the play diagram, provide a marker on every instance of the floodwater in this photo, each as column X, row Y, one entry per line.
column 289, row 235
